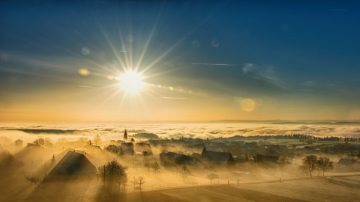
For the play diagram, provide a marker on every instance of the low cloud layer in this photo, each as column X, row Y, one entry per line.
column 194, row 130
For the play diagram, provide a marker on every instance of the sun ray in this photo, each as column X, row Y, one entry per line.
column 115, row 52
column 148, row 41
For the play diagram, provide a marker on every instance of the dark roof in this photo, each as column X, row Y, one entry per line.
column 71, row 165
column 143, row 144
column 262, row 158
column 169, row 158
column 216, row 156
column 127, row 148
column 127, row 144
column 346, row 161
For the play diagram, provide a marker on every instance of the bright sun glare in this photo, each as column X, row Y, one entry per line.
column 131, row 81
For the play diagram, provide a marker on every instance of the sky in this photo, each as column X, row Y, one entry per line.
column 199, row 60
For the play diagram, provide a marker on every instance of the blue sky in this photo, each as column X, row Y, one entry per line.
column 298, row 54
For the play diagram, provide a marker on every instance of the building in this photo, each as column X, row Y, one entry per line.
column 172, row 158
column 125, row 135
column 127, row 148
column 216, row 157
column 73, row 164
column 143, row 148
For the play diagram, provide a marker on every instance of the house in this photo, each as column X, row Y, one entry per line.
column 127, row 148
column 172, row 158
column 73, row 164
column 266, row 158
column 216, row 157
column 346, row 161
column 114, row 149
column 143, row 148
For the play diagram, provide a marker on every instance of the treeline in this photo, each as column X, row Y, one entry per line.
column 301, row 137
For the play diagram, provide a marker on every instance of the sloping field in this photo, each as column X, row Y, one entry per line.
column 320, row 189
column 349, row 181
column 207, row 193
column 341, row 188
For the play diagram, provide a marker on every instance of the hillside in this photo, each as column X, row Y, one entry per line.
column 321, row 189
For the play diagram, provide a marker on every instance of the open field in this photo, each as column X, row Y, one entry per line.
column 319, row 189
column 337, row 188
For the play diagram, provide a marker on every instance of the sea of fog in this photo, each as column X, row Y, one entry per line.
column 176, row 130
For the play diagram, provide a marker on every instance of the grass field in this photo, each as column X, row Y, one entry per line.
column 335, row 188
column 318, row 189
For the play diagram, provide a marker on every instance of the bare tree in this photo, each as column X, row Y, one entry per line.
column 310, row 163
column 53, row 160
column 185, row 172
column 138, row 182
column 155, row 166
column 212, row 176
column 324, row 164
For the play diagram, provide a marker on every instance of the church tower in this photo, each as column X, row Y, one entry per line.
column 125, row 135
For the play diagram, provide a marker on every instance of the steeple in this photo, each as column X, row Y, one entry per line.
column 204, row 150
column 125, row 135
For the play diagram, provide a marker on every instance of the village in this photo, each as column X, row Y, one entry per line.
column 143, row 161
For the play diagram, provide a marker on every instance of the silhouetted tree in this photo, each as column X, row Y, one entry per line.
column 53, row 160
column 113, row 172
column 138, row 182
column 155, row 166
column 185, row 172
column 212, row 176
column 114, row 149
column 41, row 142
column 310, row 163
column 324, row 164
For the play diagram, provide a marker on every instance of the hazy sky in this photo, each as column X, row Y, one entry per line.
column 238, row 60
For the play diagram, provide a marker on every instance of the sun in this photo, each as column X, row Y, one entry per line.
column 131, row 82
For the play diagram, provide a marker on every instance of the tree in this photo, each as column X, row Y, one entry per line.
column 310, row 163
column 114, row 149
column 53, row 160
column 212, row 176
column 155, row 166
column 138, row 182
column 41, row 142
column 324, row 164
column 113, row 172
column 185, row 172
